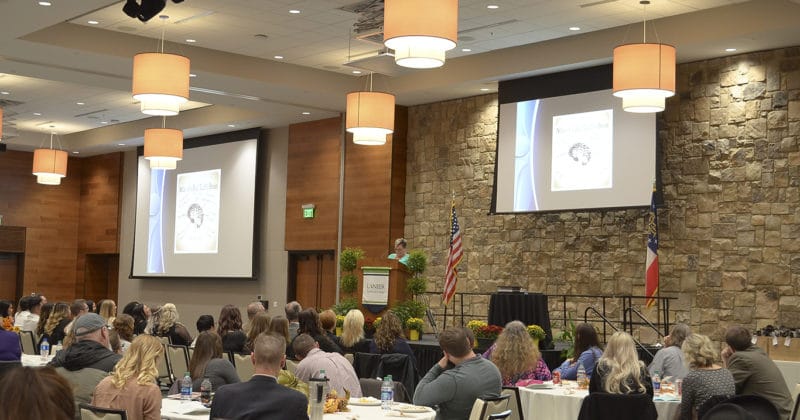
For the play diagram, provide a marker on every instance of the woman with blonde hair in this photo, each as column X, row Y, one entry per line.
column 108, row 310
column 279, row 326
column 516, row 356
column 619, row 370
column 59, row 318
column 168, row 326
column 706, row 377
column 259, row 325
column 132, row 385
column 352, row 339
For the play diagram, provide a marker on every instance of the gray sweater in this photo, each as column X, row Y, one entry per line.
column 454, row 390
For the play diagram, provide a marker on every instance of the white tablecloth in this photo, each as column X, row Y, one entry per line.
column 32, row 360
column 790, row 371
column 559, row 404
column 171, row 409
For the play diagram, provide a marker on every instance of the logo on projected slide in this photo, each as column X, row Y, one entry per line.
column 197, row 212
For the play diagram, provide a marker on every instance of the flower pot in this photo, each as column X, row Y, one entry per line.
column 484, row 343
column 413, row 335
column 338, row 331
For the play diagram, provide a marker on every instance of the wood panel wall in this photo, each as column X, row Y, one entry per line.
column 313, row 178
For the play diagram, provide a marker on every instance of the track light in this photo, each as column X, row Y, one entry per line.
column 145, row 10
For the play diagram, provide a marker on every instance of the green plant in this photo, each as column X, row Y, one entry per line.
column 417, row 285
column 349, row 283
column 409, row 309
column 536, row 332
column 417, row 262
column 568, row 335
column 415, row 324
column 339, row 321
column 344, row 306
column 348, row 259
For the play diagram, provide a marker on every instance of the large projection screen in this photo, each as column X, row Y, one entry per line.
column 198, row 220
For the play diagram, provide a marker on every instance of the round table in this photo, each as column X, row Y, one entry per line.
column 362, row 412
column 172, row 409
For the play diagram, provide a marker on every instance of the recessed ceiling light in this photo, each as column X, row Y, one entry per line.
column 4, row 93
column 75, row 152
column 92, row 22
column 356, row 71
column 294, row 12
column 192, row 75
column 279, row 57
column 574, row 28
column 306, row 113
column 45, row 3
column 492, row 6
column 120, row 144
column 730, row 49
column 485, row 89
column 191, row 41
column 231, row 125
column 466, row 49
column 37, row 114
column 103, row 122
column 80, row 103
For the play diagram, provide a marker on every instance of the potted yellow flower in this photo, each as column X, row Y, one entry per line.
column 414, row 326
column 537, row 334
column 474, row 326
column 339, row 325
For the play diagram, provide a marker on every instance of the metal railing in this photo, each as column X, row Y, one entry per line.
column 607, row 322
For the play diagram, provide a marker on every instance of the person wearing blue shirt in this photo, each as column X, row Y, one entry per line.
column 400, row 251
column 587, row 352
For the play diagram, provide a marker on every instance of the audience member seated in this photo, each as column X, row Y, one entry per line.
column 10, row 350
column 309, row 324
column 280, row 326
column 92, row 306
column 338, row 369
column 754, row 372
column 259, row 324
column 23, row 309
column 253, row 309
column 293, row 310
column 207, row 362
column 619, row 370
column 230, row 329
column 114, row 342
column 168, row 326
column 57, row 321
column 669, row 360
column 132, row 386
column 261, row 397
column 352, row 340
column 77, row 308
column 706, row 379
column 516, row 357
column 29, row 318
column 204, row 323
column 108, row 310
column 6, row 313
column 587, row 353
column 140, row 313
column 123, row 325
column 35, row 393
column 389, row 338
column 87, row 361
column 458, row 379
column 47, row 309
column 327, row 320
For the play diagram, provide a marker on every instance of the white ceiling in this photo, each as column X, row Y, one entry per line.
column 53, row 58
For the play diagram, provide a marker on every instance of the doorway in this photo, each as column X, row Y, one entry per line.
column 312, row 278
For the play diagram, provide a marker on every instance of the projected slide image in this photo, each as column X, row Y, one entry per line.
column 582, row 151
column 197, row 212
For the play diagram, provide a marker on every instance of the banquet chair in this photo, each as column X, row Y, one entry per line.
column 90, row 412
column 291, row 366
column 177, row 360
column 244, row 366
column 27, row 342
column 484, row 407
column 710, row 403
column 499, row 416
column 164, row 340
column 514, row 402
column 796, row 407
column 350, row 358
column 759, row 407
column 372, row 388
column 164, row 379
column 604, row 406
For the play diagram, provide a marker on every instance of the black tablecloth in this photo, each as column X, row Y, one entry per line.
column 530, row 308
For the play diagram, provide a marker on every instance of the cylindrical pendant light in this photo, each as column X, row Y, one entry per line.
column 644, row 74
column 49, row 166
column 163, row 147
column 160, row 82
column 370, row 117
column 420, row 31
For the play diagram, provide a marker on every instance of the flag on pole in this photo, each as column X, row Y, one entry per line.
column 454, row 258
column 651, row 279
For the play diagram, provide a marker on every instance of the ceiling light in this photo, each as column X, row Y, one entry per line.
column 492, row 6
column 45, row 3
column 306, row 113
column 191, row 41
column 144, row 12
column 4, row 93
column 484, row 89
column 420, row 31
column 356, row 71
column 644, row 75
column 730, row 49
column 103, row 122
column 279, row 57
column 75, row 152
column 231, row 125
column 192, row 75
column 120, row 144
column 294, row 11
column 574, row 28
column 37, row 114
column 92, row 22
column 466, row 50
column 80, row 103
column 160, row 81
column 163, row 147
column 49, row 165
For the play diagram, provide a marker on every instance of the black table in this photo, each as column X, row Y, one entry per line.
column 530, row 308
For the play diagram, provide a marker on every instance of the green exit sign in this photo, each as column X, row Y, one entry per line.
column 308, row 213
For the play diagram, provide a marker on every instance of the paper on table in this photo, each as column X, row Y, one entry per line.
column 667, row 397
column 186, row 407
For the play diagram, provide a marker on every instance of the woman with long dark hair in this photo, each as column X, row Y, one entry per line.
column 140, row 313
column 587, row 353
column 310, row 324
column 207, row 362
column 230, row 329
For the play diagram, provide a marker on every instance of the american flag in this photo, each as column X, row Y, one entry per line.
column 651, row 279
column 453, row 259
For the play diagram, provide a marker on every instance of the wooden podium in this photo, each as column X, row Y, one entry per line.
column 398, row 276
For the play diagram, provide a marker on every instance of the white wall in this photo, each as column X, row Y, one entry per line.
column 194, row 297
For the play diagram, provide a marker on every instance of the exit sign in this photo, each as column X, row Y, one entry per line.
column 308, row 213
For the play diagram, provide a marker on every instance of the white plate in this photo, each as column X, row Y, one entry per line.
column 364, row 401
column 540, row 386
column 405, row 408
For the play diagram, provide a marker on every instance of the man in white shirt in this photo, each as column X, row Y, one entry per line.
column 27, row 320
column 339, row 370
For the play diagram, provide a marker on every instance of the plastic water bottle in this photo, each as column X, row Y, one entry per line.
column 186, row 387
column 44, row 349
column 582, row 379
column 656, row 383
column 318, row 393
column 57, row 348
column 387, row 393
column 205, row 391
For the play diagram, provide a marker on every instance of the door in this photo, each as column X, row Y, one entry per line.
column 312, row 278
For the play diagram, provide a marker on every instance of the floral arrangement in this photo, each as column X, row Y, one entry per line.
column 339, row 321
column 415, row 324
column 376, row 323
column 489, row 332
column 474, row 325
column 536, row 332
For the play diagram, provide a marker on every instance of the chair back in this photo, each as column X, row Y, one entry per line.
column 164, row 340
column 6, row 366
column 90, row 412
column 291, row 366
column 350, row 358
column 604, row 406
column 177, row 360
column 27, row 342
column 484, row 407
column 514, row 402
column 244, row 366
column 372, row 388
column 758, row 406
column 504, row 415
column 366, row 364
column 162, row 365
column 710, row 403
column 795, row 394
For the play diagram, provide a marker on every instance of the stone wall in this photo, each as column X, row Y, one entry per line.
column 728, row 231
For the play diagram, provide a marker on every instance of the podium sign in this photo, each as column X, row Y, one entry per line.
column 375, row 294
